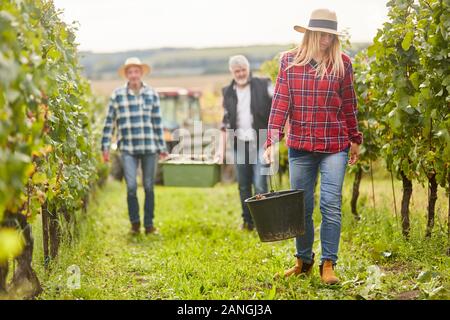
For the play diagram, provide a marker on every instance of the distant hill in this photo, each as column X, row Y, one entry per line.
column 183, row 61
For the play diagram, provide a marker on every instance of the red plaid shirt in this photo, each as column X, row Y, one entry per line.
column 322, row 113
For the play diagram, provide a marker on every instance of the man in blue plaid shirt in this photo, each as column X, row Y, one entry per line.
column 134, row 113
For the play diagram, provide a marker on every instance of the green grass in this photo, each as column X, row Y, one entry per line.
column 200, row 252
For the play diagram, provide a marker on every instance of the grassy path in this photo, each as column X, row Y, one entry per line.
column 200, row 253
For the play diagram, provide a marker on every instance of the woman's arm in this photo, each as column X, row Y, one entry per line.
column 281, row 104
column 350, row 105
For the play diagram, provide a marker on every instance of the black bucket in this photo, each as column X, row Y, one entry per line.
column 278, row 215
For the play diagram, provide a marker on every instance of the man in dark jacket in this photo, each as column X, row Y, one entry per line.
column 247, row 101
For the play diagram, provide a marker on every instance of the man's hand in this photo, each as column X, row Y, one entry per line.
column 221, row 149
column 105, row 156
column 163, row 156
column 354, row 153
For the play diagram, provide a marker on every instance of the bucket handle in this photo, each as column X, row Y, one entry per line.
column 271, row 178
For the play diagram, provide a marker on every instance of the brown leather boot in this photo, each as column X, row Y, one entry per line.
column 135, row 228
column 300, row 268
column 327, row 272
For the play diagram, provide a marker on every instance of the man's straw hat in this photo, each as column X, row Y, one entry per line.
column 323, row 20
column 133, row 61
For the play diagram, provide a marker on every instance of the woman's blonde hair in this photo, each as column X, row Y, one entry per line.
column 310, row 47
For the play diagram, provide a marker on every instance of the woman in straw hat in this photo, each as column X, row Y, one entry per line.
column 315, row 90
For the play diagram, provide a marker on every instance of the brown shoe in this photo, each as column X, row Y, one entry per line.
column 151, row 230
column 135, row 228
column 300, row 268
column 327, row 272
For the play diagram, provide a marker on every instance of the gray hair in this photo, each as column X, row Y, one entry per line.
column 238, row 60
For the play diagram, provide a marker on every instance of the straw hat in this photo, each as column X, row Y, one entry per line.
column 133, row 61
column 323, row 20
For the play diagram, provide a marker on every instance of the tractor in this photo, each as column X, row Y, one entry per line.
column 180, row 108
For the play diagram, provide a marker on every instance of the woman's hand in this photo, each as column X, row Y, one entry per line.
column 268, row 155
column 354, row 153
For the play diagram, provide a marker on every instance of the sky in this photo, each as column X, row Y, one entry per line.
column 121, row 25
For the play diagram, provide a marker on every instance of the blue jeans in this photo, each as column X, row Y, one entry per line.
column 303, row 169
column 249, row 164
column 130, row 165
